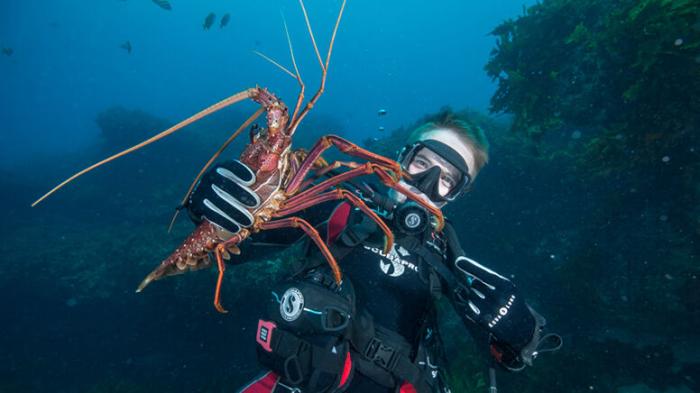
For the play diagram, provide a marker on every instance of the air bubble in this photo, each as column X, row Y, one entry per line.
column 678, row 42
column 666, row 159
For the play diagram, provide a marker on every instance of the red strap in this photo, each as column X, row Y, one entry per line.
column 498, row 355
column 264, row 384
column 346, row 370
column 407, row 388
column 337, row 222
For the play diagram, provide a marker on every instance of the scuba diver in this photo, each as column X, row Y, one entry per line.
column 377, row 330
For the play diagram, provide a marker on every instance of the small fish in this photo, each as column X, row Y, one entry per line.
column 164, row 4
column 7, row 51
column 209, row 20
column 381, row 128
column 224, row 21
column 381, row 112
column 126, row 46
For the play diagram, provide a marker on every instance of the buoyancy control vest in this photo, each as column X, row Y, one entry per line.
column 316, row 338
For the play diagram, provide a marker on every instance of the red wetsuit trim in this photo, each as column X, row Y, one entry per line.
column 407, row 388
column 347, row 367
column 337, row 222
column 498, row 355
column 264, row 384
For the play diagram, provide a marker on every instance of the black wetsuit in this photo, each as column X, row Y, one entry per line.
column 391, row 287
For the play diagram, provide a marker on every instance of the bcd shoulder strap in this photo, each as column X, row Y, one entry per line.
column 437, row 261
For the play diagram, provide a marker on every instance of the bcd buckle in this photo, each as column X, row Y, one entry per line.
column 381, row 354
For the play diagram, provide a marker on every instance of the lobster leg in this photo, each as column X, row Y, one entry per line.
column 222, row 268
column 384, row 176
column 331, row 167
column 323, row 170
column 346, row 147
column 293, row 206
column 221, row 251
column 296, row 222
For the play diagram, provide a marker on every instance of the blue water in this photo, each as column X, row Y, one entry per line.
column 396, row 55
column 610, row 259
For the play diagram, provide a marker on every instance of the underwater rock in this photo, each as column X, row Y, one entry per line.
column 121, row 126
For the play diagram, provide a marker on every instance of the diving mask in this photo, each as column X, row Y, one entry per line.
column 428, row 180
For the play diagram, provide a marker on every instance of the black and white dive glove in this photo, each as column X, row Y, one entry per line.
column 223, row 196
column 496, row 305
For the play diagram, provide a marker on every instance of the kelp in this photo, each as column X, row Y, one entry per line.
column 627, row 70
column 624, row 74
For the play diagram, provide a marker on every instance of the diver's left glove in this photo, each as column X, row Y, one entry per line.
column 515, row 329
column 223, row 196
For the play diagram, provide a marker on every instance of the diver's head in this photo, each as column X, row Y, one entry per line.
column 443, row 157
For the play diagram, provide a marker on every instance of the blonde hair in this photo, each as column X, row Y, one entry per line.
column 469, row 133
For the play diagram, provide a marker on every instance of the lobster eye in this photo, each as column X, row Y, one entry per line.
column 255, row 131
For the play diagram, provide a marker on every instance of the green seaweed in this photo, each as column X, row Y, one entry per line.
column 618, row 67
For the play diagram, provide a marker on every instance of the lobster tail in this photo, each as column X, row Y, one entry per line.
column 193, row 254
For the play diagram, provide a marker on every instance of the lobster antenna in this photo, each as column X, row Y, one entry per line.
column 300, row 97
column 206, row 112
column 291, row 49
column 278, row 65
column 324, row 68
column 213, row 158
column 335, row 30
column 313, row 40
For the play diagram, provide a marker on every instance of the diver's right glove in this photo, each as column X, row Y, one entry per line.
column 223, row 196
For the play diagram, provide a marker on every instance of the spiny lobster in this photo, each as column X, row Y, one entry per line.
column 286, row 180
